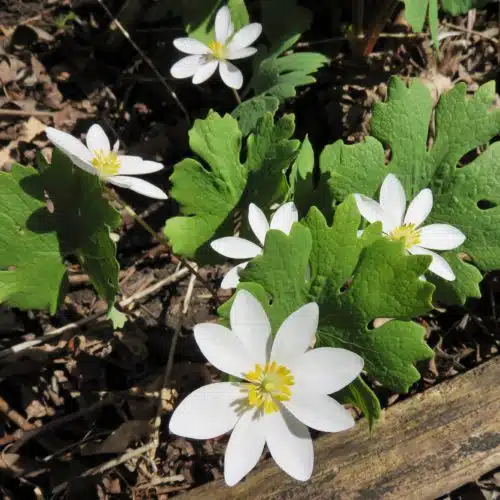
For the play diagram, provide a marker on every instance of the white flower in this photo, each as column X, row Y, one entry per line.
column 284, row 389
column 97, row 158
column 401, row 224
column 204, row 60
column 240, row 248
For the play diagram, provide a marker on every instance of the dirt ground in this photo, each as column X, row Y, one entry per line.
column 76, row 410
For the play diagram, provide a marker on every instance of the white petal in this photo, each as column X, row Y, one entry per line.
column 295, row 334
column 245, row 37
column 207, row 412
column 116, row 146
column 232, row 55
column 244, row 448
column 236, row 248
column 205, row 72
column 326, row 370
column 250, row 323
column 419, row 208
column 97, row 140
column 139, row 186
column 223, row 26
column 232, row 278
column 393, row 199
column 290, row 444
column 441, row 237
column 284, row 217
column 191, row 46
column 135, row 165
column 71, row 147
column 320, row 412
column 187, row 66
column 373, row 212
column 258, row 222
column 438, row 265
column 231, row 75
column 223, row 349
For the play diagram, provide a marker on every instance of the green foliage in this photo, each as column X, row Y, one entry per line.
column 249, row 112
column 359, row 394
column 354, row 281
column 277, row 75
column 456, row 7
column 207, row 197
column 32, row 275
column 35, row 240
column 462, row 125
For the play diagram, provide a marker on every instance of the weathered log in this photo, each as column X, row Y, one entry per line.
column 423, row 447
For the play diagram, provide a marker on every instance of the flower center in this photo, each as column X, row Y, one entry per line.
column 267, row 385
column 407, row 233
column 106, row 163
column 218, row 50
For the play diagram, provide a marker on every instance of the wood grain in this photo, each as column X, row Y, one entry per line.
column 423, row 447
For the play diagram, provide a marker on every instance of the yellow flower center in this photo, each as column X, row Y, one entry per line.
column 106, row 163
column 407, row 233
column 218, row 50
column 267, row 385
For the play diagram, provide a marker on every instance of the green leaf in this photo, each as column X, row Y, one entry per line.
column 118, row 319
column 270, row 152
column 32, row 272
column 456, row 7
column 249, row 112
column 284, row 30
column 35, row 240
column 359, row 394
column 207, row 197
column 354, row 281
column 82, row 219
column 280, row 76
column 281, row 272
column 462, row 195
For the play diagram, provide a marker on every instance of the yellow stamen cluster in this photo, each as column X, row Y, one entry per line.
column 218, row 50
column 407, row 233
column 267, row 385
column 106, row 162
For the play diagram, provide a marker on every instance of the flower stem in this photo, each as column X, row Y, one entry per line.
column 159, row 237
column 237, row 96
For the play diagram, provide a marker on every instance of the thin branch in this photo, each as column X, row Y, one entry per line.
column 177, row 276
column 146, row 59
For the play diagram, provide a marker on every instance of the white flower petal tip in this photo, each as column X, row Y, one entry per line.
column 207, row 412
column 295, row 334
column 191, row 46
column 284, row 217
column 139, row 186
column 187, row 66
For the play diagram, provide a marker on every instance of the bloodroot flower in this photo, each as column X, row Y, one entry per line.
column 97, row 158
column 399, row 223
column 204, row 60
column 283, row 389
column 234, row 247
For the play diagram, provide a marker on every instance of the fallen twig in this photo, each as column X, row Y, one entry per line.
column 81, row 322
